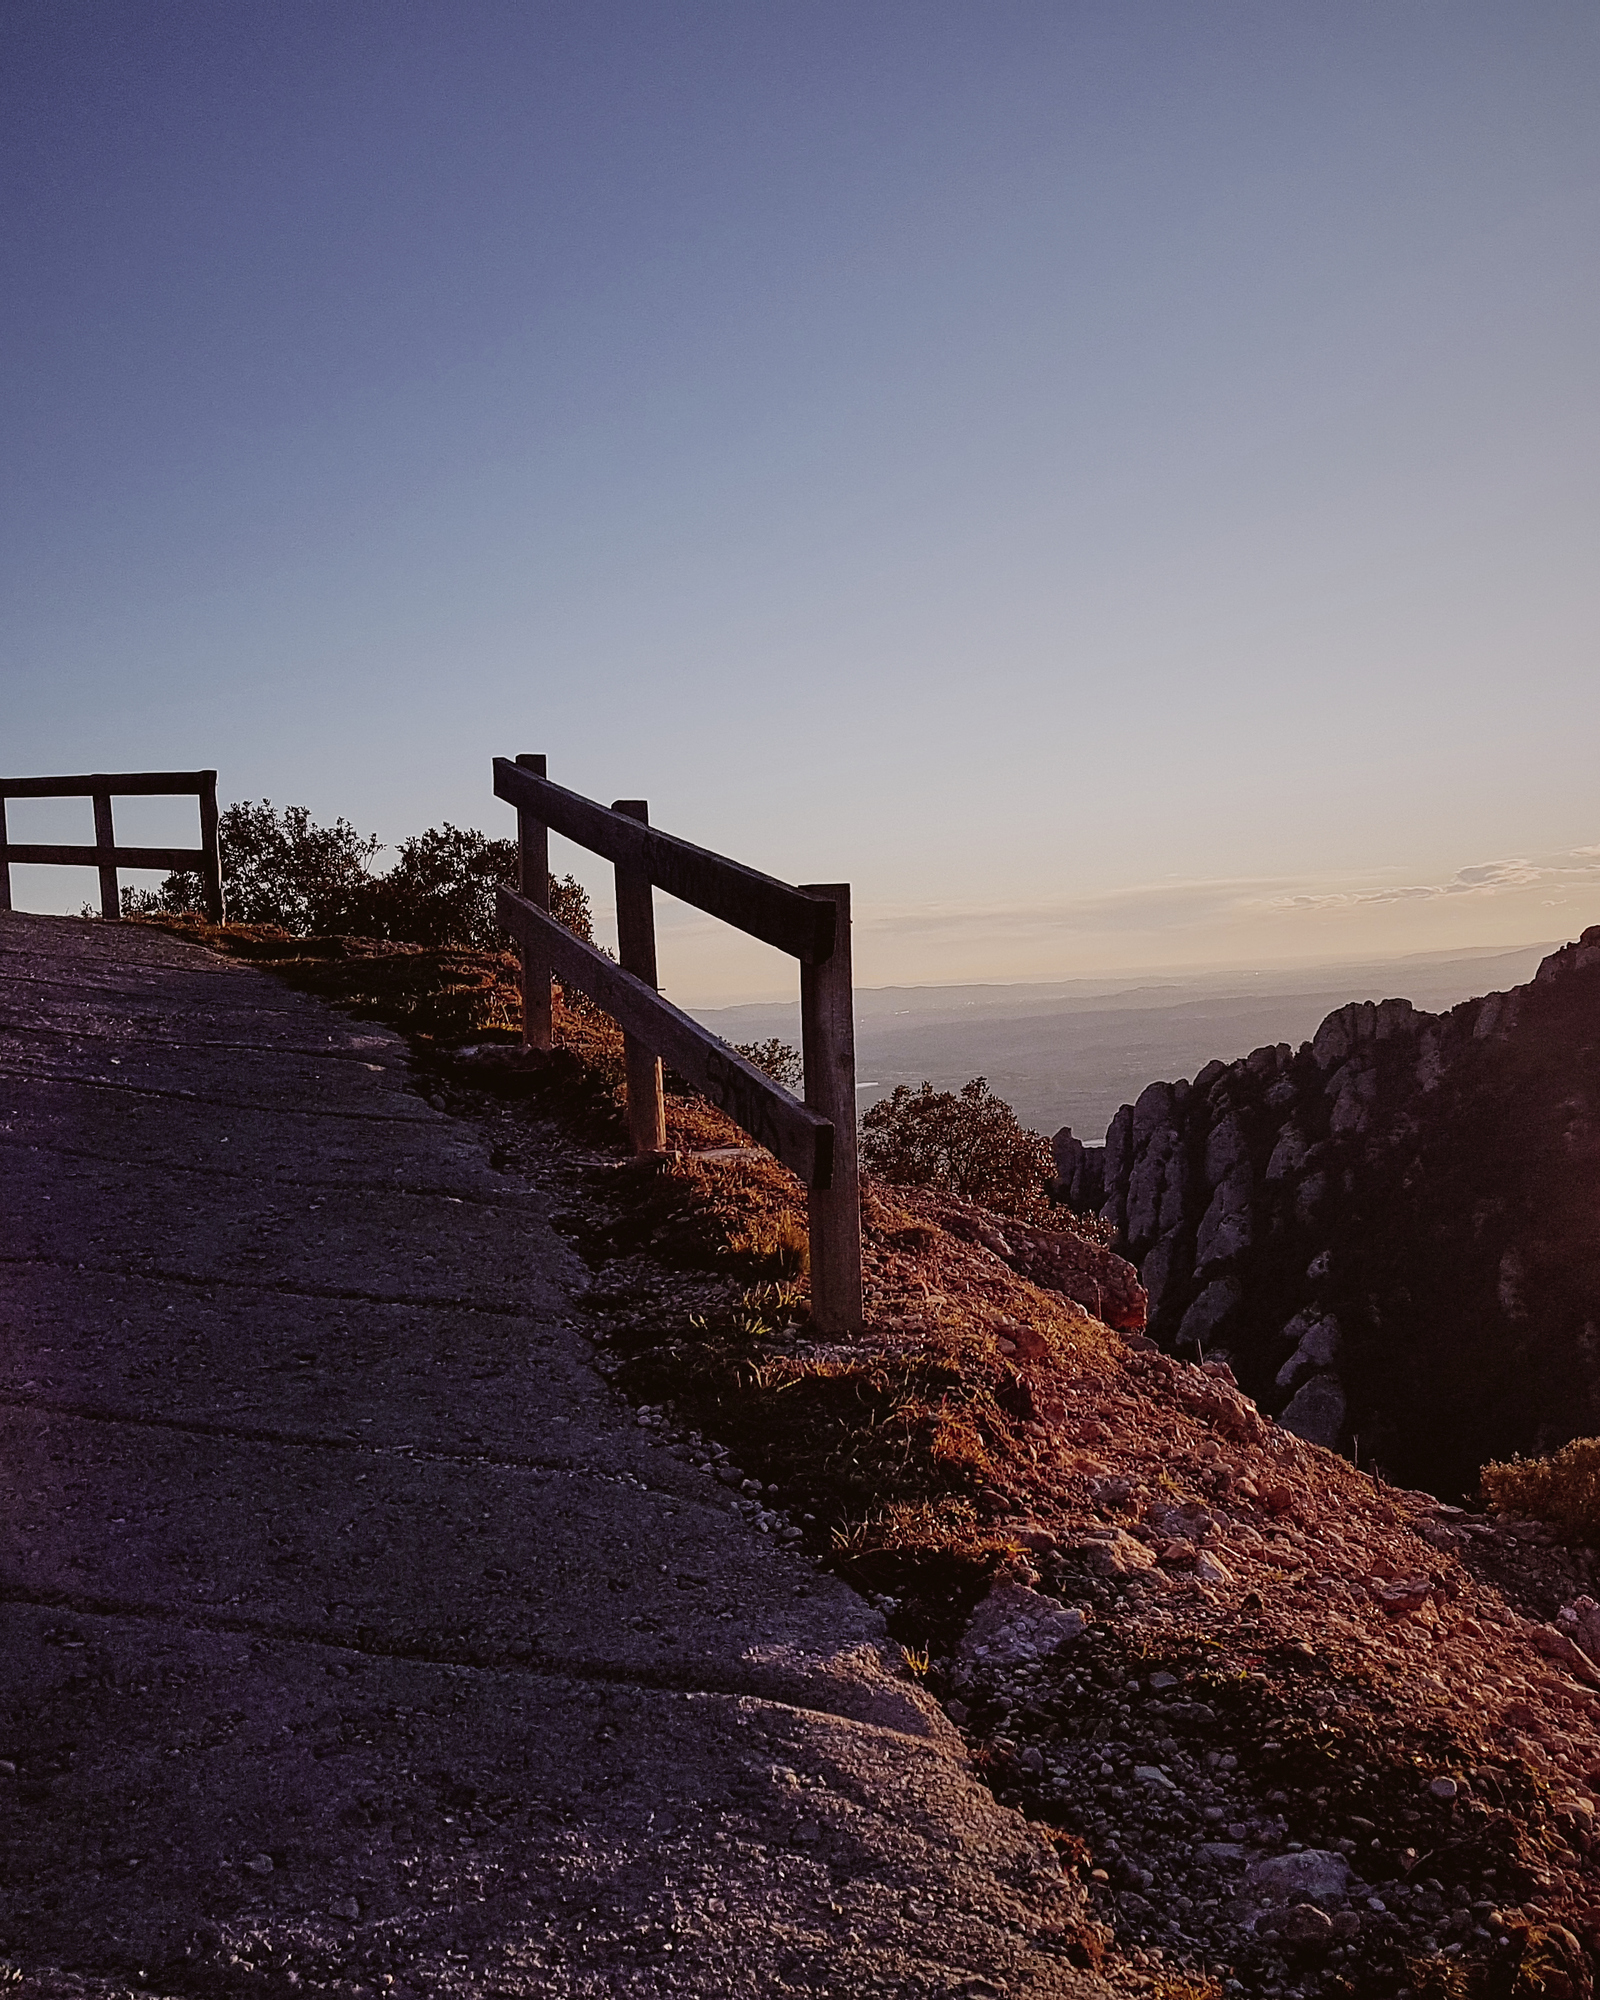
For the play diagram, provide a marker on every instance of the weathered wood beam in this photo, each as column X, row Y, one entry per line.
column 185, row 859
column 799, row 1136
column 123, row 784
column 768, row 909
column 636, row 949
column 828, row 1038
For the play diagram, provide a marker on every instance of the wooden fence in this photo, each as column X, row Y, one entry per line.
column 817, row 1139
column 102, row 787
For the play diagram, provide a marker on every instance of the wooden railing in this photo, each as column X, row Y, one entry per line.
column 817, row 1139
column 102, row 787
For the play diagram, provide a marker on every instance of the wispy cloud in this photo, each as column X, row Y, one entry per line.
column 1578, row 866
column 1191, row 923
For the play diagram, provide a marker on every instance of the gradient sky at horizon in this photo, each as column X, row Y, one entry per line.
column 1117, row 483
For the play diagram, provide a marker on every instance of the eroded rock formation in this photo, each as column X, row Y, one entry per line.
column 1392, row 1232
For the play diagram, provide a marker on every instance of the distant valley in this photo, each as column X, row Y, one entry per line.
column 1071, row 1052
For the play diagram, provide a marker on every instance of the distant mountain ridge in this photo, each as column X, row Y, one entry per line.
column 1391, row 1232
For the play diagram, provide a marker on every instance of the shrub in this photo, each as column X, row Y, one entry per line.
column 277, row 868
column 440, row 891
column 781, row 1061
column 965, row 1142
column 280, row 867
column 1563, row 1489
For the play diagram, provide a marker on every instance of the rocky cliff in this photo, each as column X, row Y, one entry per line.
column 1392, row 1233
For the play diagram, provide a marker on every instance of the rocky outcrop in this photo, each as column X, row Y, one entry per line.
column 1080, row 1172
column 1390, row 1231
column 1087, row 1273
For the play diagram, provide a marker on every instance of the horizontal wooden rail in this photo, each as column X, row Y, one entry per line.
column 121, row 784
column 105, row 855
column 817, row 1139
column 186, row 859
column 804, row 926
column 802, row 1139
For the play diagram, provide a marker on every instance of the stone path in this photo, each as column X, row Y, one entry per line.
column 351, row 1637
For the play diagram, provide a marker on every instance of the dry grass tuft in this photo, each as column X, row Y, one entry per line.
column 1563, row 1489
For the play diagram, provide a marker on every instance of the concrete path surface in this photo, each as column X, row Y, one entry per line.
column 352, row 1638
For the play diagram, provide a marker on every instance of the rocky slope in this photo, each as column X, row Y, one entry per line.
column 1392, row 1233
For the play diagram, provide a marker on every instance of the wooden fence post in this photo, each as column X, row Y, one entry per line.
column 828, row 1037
column 636, row 952
column 533, row 881
column 104, row 838
column 211, row 867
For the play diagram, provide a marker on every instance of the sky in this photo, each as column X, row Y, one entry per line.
column 1116, row 483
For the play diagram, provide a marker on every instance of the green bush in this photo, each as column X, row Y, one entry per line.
column 280, row 867
column 965, row 1142
column 1563, row 1489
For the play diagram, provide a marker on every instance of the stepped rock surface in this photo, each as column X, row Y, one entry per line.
column 1389, row 1233
column 356, row 1638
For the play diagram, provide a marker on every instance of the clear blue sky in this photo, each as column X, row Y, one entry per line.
column 1118, row 483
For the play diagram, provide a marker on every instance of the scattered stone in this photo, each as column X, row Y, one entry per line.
column 1014, row 1624
column 1401, row 1598
column 1150, row 1774
column 1313, row 1875
column 1114, row 1552
column 1557, row 1645
column 1305, row 1924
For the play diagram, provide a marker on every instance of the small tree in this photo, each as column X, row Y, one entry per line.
column 278, row 867
column 781, row 1061
column 440, row 891
column 965, row 1142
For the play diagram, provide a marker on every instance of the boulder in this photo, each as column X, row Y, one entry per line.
column 1315, row 1875
column 1118, row 1158
column 1014, row 1624
column 1112, row 1552
column 1152, row 1112
column 1220, row 1404
column 1088, row 1273
column 1080, row 1172
column 1316, row 1411
column 1058, row 1259
column 1289, row 1154
column 1563, row 1648
column 1210, row 1312
column 1581, row 1620
column 1226, row 1149
column 1318, row 1348
column 1147, row 1184
column 1165, row 1264
column 1227, row 1226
